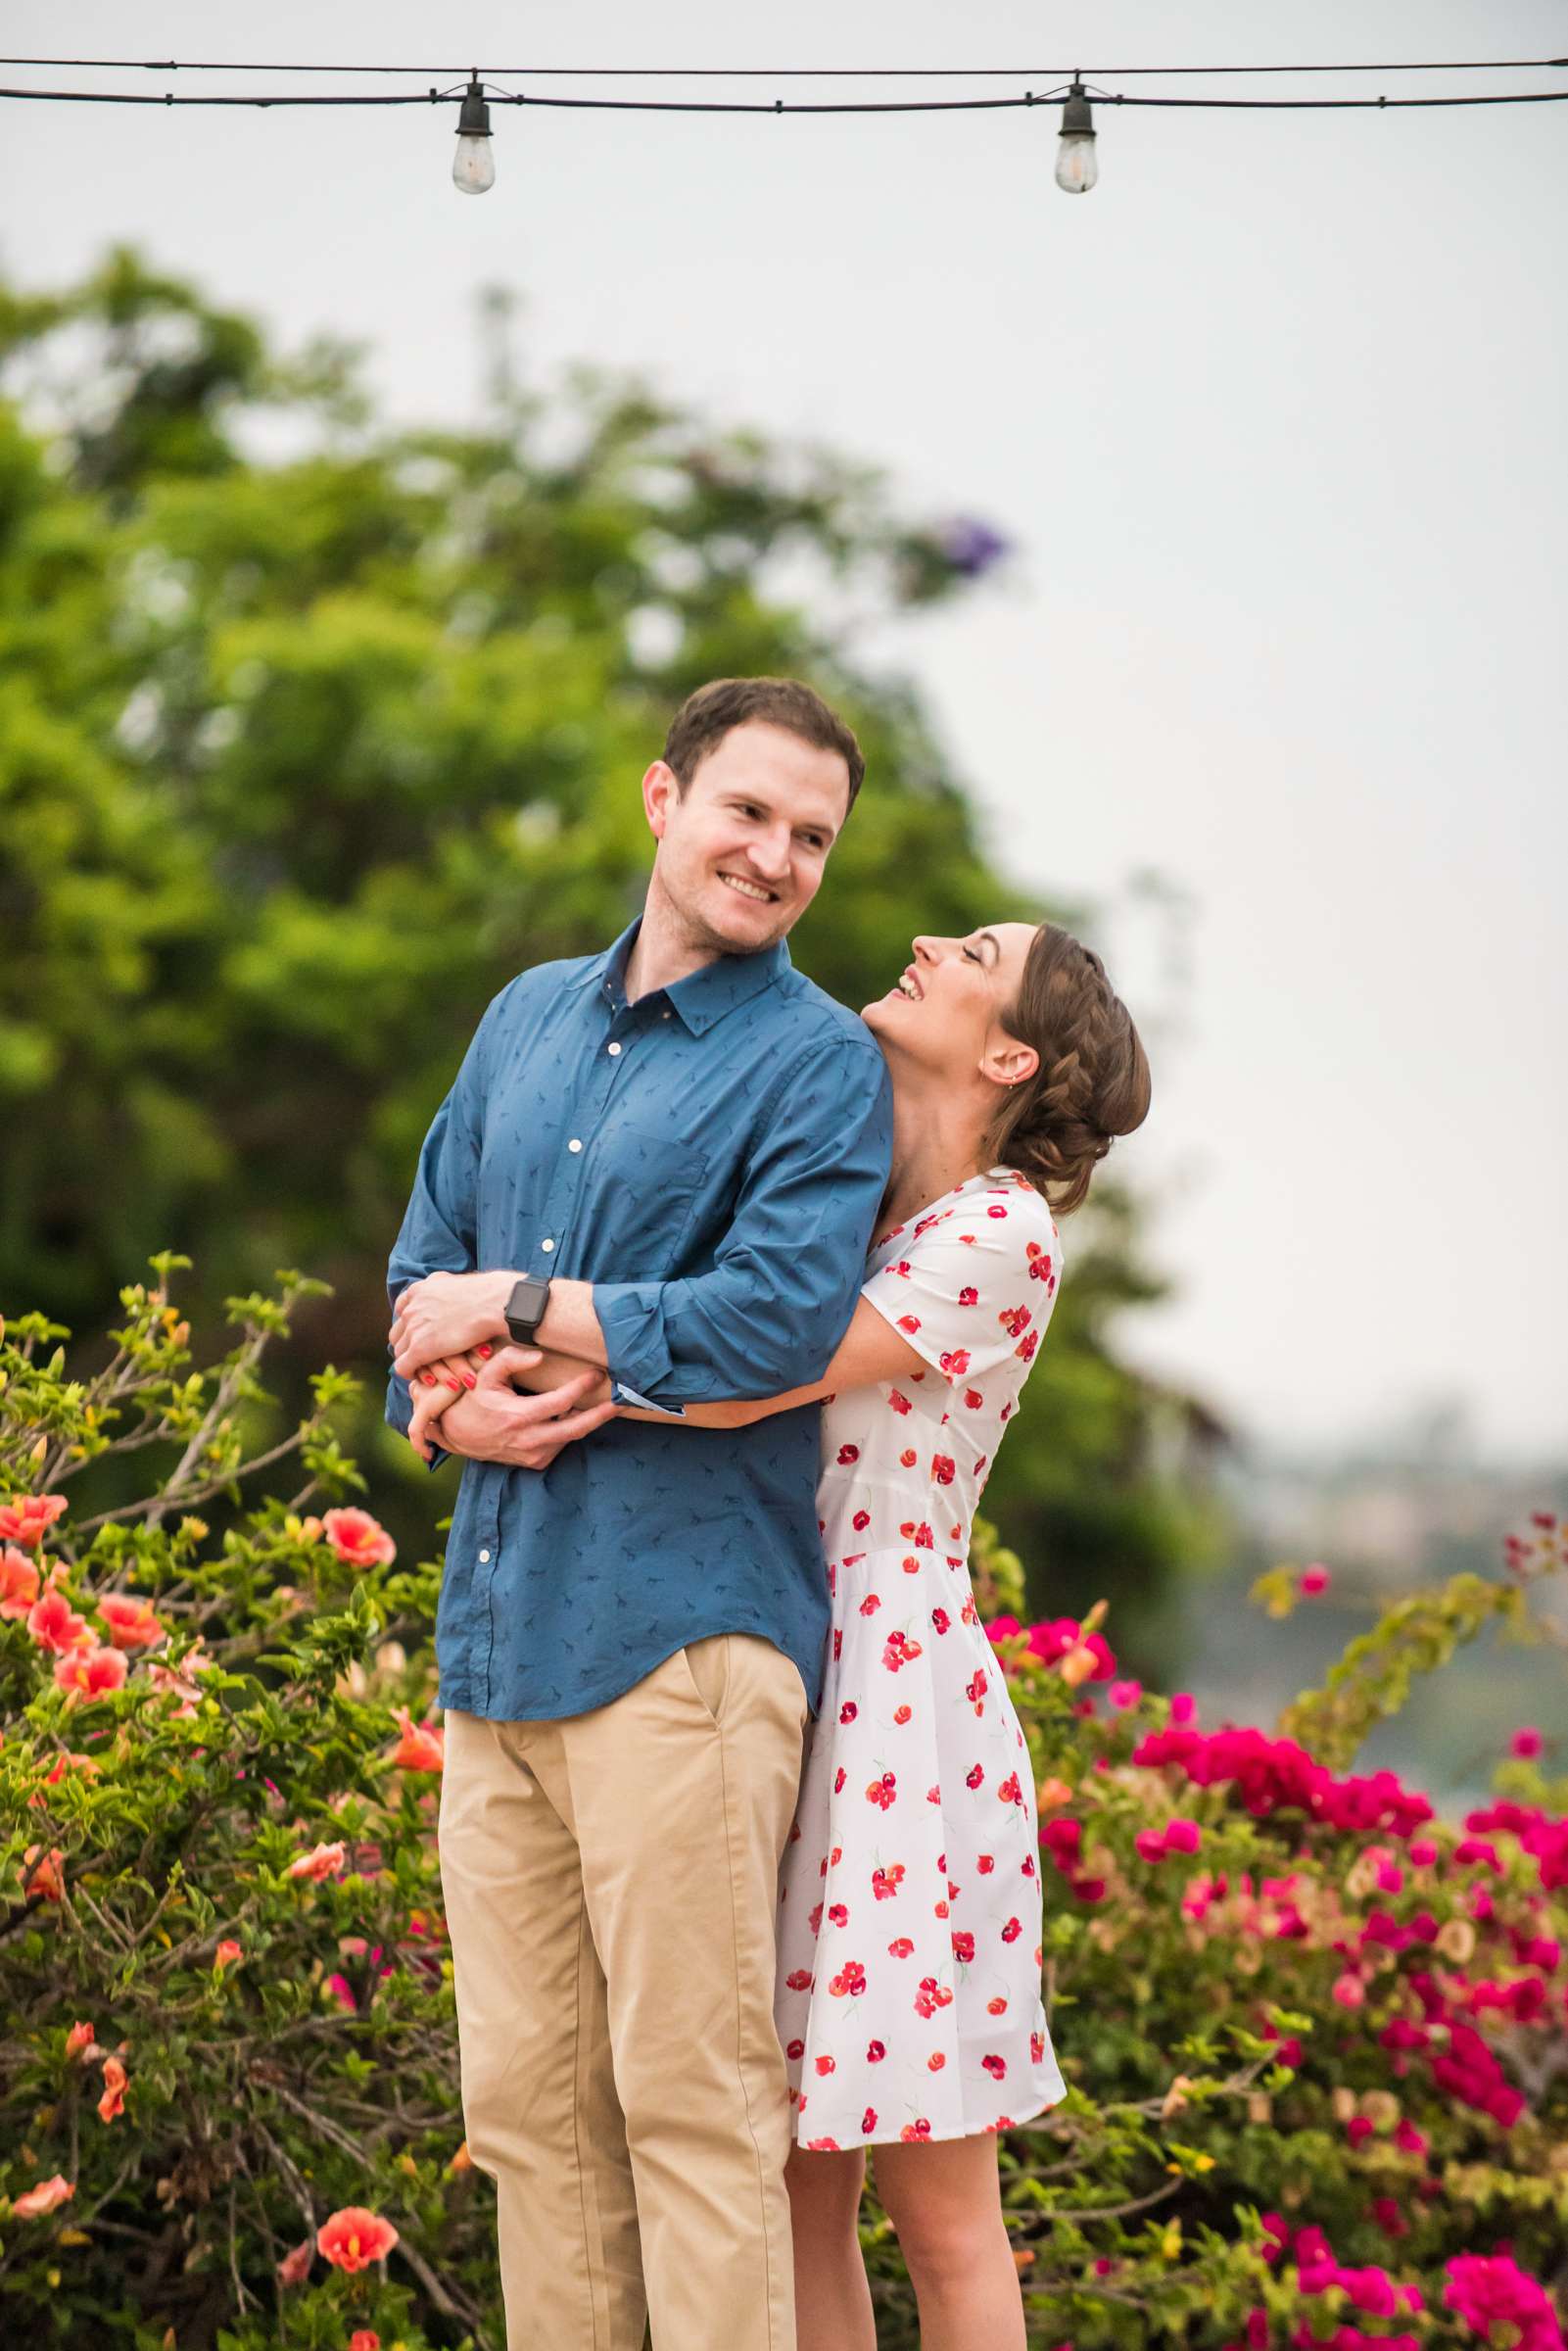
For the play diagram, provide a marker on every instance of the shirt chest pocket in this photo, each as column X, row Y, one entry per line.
column 657, row 1191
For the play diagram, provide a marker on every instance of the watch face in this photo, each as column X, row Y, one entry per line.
column 526, row 1306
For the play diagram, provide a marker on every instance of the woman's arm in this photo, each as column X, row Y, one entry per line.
column 871, row 1351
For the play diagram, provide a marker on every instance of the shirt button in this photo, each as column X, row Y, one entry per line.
column 484, row 1559
column 574, row 1144
column 546, row 1246
column 612, row 1050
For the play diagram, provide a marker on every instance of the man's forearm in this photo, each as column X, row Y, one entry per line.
column 570, row 1325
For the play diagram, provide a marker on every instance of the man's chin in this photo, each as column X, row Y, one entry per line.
column 745, row 925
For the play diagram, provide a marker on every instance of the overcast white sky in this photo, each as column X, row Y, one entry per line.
column 1276, row 417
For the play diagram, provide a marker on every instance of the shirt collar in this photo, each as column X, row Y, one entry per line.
column 703, row 996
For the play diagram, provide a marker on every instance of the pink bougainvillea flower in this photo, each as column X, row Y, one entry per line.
column 419, row 1748
column 364, row 2339
column 357, row 1538
column 1349, row 1989
column 1315, row 1579
column 19, row 1582
column 1526, row 1743
column 352, row 2238
column 295, row 2267
column 27, row 1518
column 56, row 1626
column 1124, row 1694
column 78, row 2040
column 1183, row 1707
column 342, row 1992
column 1494, row 2296
column 91, row 1672
column 44, row 1872
column 132, row 1623
column 45, row 2197
column 322, row 1861
column 229, row 1953
column 113, row 2101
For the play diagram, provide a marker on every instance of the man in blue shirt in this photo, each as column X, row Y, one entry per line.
column 666, row 1160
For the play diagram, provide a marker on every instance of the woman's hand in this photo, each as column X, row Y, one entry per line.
column 492, row 1423
column 436, row 1385
column 445, row 1315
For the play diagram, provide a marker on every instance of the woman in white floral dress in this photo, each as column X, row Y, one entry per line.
column 910, row 1908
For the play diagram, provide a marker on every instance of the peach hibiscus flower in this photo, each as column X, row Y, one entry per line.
column 419, row 1748
column 113, row 2101
column 295, row 2267
column 78, row 2040
column 43, row 2198
column 44, row 1872
column 324, row 1862
column 357, row 1538
column 229, row 1953
column 56, row 1626
column 27, row 1518
column 132, row 1623
column 352, row 2238
column 91, row 1672
column 179, row 1679
column 19, row 1582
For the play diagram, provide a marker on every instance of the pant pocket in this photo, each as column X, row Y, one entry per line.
column 708, row 1664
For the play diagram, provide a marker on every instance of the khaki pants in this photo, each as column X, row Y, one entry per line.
column 610, row 1886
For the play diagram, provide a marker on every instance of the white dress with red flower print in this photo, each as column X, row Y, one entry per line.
column 910, row 1912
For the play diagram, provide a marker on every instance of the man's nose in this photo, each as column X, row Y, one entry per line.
column 771, row 855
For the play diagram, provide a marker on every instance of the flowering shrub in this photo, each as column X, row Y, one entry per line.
column 1316, row 2041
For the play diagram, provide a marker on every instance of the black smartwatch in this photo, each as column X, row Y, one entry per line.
column 525, row 1308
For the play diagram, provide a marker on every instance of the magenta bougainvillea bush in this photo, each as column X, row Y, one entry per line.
column 1315, row 2039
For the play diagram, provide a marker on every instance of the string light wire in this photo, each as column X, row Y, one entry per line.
column 781, row 106
column 1053, row 74
column 1092, row 80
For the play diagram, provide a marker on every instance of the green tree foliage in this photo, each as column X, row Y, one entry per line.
column 1312, row 2039
column 303, row 755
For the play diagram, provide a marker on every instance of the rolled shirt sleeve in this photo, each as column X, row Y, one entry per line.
column 781, row 1292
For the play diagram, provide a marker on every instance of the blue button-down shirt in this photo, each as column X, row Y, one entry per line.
column 712, row 1159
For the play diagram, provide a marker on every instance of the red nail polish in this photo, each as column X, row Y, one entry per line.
column 429, row 1378
column 486, row 1350
column 469, row 1380
column 456, row 1385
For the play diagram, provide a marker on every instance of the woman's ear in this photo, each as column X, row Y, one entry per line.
column 1007, row 1062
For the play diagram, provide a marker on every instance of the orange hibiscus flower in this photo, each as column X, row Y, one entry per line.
column 352, row 2238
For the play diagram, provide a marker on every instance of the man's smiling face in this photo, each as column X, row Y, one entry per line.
column 741, row 851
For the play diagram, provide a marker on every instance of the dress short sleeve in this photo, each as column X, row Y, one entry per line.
column 972, row 1284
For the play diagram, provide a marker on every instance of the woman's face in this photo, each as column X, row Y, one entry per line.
column 945, row 1011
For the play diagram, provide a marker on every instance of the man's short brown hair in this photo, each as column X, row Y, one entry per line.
column 707, row 717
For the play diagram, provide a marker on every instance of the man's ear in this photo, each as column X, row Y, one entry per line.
column 660, row 786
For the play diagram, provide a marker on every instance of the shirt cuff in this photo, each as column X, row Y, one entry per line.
column 620, row 1393
column 631, row 1316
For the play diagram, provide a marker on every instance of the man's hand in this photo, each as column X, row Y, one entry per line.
column 492, row 1423
column 447, row 1314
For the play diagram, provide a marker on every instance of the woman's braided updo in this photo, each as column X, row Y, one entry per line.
column 1092, row 1083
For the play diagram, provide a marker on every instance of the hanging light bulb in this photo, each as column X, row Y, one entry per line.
column 1076, row 167
column 473, row 166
